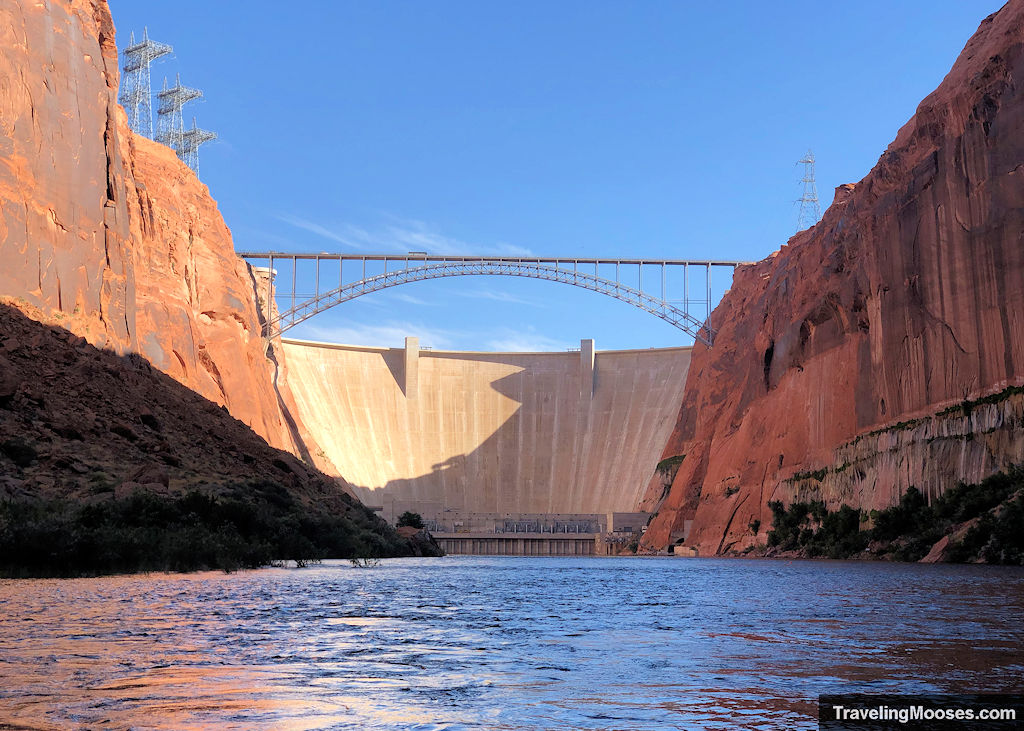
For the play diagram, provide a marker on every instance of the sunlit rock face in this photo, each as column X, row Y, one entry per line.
column 907, row 298
column 109, row 233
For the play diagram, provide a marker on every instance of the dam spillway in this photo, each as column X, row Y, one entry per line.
column 490, row 433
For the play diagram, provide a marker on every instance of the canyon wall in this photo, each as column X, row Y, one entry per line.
column 854, row 362
column 490, row 432
column 108, row 233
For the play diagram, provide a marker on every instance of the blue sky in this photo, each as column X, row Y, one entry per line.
column 585, row 128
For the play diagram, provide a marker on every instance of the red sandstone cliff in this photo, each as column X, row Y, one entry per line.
column 836, row 357
column 109, row 233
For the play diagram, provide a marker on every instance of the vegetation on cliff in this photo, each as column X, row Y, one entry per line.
column 108, row 465
column 979, row 523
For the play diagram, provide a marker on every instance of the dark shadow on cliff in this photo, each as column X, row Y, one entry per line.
column 83, row 431
column 289, row 418
column 271, row 355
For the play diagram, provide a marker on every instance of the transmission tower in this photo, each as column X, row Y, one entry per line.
column 810, row 211
column 135, row 86
column 191, row 139
column 170, row 128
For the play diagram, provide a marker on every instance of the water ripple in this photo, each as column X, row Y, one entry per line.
column 501, row 643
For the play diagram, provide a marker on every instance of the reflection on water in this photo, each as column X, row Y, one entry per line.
column 503, row 643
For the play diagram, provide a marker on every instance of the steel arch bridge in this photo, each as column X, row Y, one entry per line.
column 288, row 307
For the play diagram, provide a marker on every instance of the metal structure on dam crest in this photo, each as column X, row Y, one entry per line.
column 416, row 266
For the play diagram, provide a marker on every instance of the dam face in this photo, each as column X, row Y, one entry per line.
column 490, row 433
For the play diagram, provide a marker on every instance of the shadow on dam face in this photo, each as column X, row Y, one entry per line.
column 508, row 433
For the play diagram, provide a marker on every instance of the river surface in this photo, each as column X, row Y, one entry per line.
column 501, row 643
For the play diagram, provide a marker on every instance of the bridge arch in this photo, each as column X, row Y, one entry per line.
column 422, row 268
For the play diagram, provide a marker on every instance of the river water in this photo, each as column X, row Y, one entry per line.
column 501, row 643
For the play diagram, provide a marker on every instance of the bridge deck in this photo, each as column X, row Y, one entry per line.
column 511, row 259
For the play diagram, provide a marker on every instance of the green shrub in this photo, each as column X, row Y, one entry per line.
column 904, row 518
column 410, row 519
column 908, row 530
column 669, row 463
column 252, row 525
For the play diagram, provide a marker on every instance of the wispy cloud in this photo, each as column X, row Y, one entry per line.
column 386, row 300
column 392, row 334
column 244, row 236
column 513, row 250
column 400, row 235
column 497, row 296
column 385, row 334
column 525, row 341
column 410, row 300
column 343, row 234
column 417, row 236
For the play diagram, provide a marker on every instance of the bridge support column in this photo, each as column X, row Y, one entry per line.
column 412, row 368
column 586, row 370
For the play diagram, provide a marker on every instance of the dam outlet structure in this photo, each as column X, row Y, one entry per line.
column 500, row 453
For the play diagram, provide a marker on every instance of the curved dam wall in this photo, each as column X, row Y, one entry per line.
column 573, row 432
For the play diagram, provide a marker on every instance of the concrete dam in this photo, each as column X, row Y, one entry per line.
column 510, row 450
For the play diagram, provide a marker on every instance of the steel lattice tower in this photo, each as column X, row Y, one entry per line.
column 170, row 128
column 191, row 139
column 810, row 211
column 135, row 84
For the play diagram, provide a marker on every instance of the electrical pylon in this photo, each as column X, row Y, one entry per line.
column 135, row 84
column 810, row 211
column 191, row 139
column 170, row 126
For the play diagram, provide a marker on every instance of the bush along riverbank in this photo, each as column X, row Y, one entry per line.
column 982, row 523
column 245, row 526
